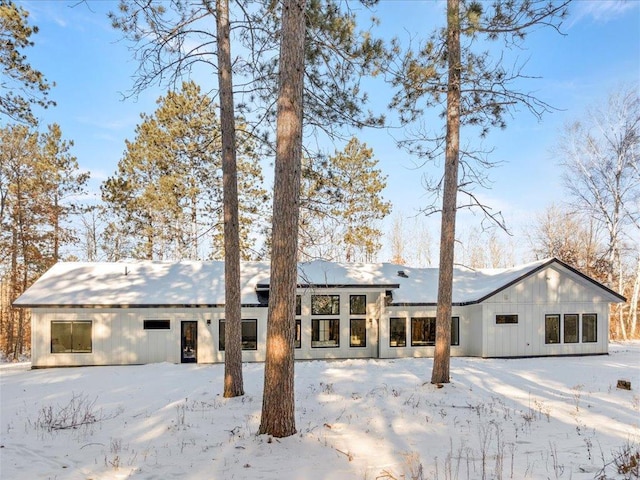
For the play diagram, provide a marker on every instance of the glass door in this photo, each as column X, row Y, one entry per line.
column 189, row 343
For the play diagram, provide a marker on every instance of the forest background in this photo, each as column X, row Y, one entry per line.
column 86, row 195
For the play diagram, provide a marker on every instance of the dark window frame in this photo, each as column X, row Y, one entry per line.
column 333, row 304
column 245, row 342
column 298, row 337
column 400, row 342
column 357, row 311
column 53, row 347
column 298, row 305
column 427, row 335
column 156, row 324
column 334, row 331
column 506, row 318
column 364, row 342
column 455, row 342
column 552, row 337
column 586, row 331
column 573, row 317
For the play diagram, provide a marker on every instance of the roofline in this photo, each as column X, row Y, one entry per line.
column 541, row 267
column 133, row 305
column 266, row 286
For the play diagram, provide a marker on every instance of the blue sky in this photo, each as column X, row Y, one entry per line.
column 92, row 67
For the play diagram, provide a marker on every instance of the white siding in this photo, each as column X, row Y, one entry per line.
column 553, row 290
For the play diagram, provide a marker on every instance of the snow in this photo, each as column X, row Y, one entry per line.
column 356, row 419
column 202, row 283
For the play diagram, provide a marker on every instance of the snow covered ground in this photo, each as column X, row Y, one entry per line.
column 357, row 419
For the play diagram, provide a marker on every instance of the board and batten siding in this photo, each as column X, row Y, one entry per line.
column 118, row 336
column 553, row 290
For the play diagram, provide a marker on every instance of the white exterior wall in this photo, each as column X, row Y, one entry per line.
column 552, row 290
column 468, row 332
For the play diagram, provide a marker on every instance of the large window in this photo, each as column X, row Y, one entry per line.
column 71, row 337
column 325, row 304
column 551, row 329
column 571, row 328
column 358, row 332
column 325, row 333
column 589, row 327
column 423, row 331
column 358, row 304
column 157, row 324
column 397, row 332
column 249, row 335
column 506, row 319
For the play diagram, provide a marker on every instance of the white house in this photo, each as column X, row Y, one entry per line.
column 144, row 312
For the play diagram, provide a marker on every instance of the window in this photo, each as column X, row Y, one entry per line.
column 157, row 324
column 571, row 328
column 358, row 332
column 325, row 304
column 358, row 304
column 589, row 327
column 71, row 337
column 298, row 341
column 504, row 319
column 325, row 333
column 298, row 305
column 551, row 329
column 423, row 331
column 455, row 330
column 397, row 332
column 249, row 334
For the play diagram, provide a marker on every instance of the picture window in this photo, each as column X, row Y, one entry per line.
column 325, row 333
column 71, row 336
column 325, row 304
column 249, row 330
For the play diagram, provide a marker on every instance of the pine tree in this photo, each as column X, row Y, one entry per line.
column 22, row 85
column 478, row 95
column 278, row 400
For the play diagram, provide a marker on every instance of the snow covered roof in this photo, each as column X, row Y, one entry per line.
column 191, row 283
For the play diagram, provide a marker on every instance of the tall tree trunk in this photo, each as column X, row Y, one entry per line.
column 233, row 386
column 278, row 403
column 441, row 360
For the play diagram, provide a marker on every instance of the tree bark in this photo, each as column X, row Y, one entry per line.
column 441, row 360
column 278, row 402
column 233, row 384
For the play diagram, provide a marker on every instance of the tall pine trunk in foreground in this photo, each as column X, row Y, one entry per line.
column 278, row 402
column 233, row 385
column 441, row 360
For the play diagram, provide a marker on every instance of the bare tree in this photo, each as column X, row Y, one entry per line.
column 278, row 401
column 599, row 154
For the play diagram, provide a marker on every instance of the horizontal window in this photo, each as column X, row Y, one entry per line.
column 325, row 304
column 157, row 324
column 249, row 335
column 423, row 331
column 325, row 333
column 71, row 336
column 505, row 319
